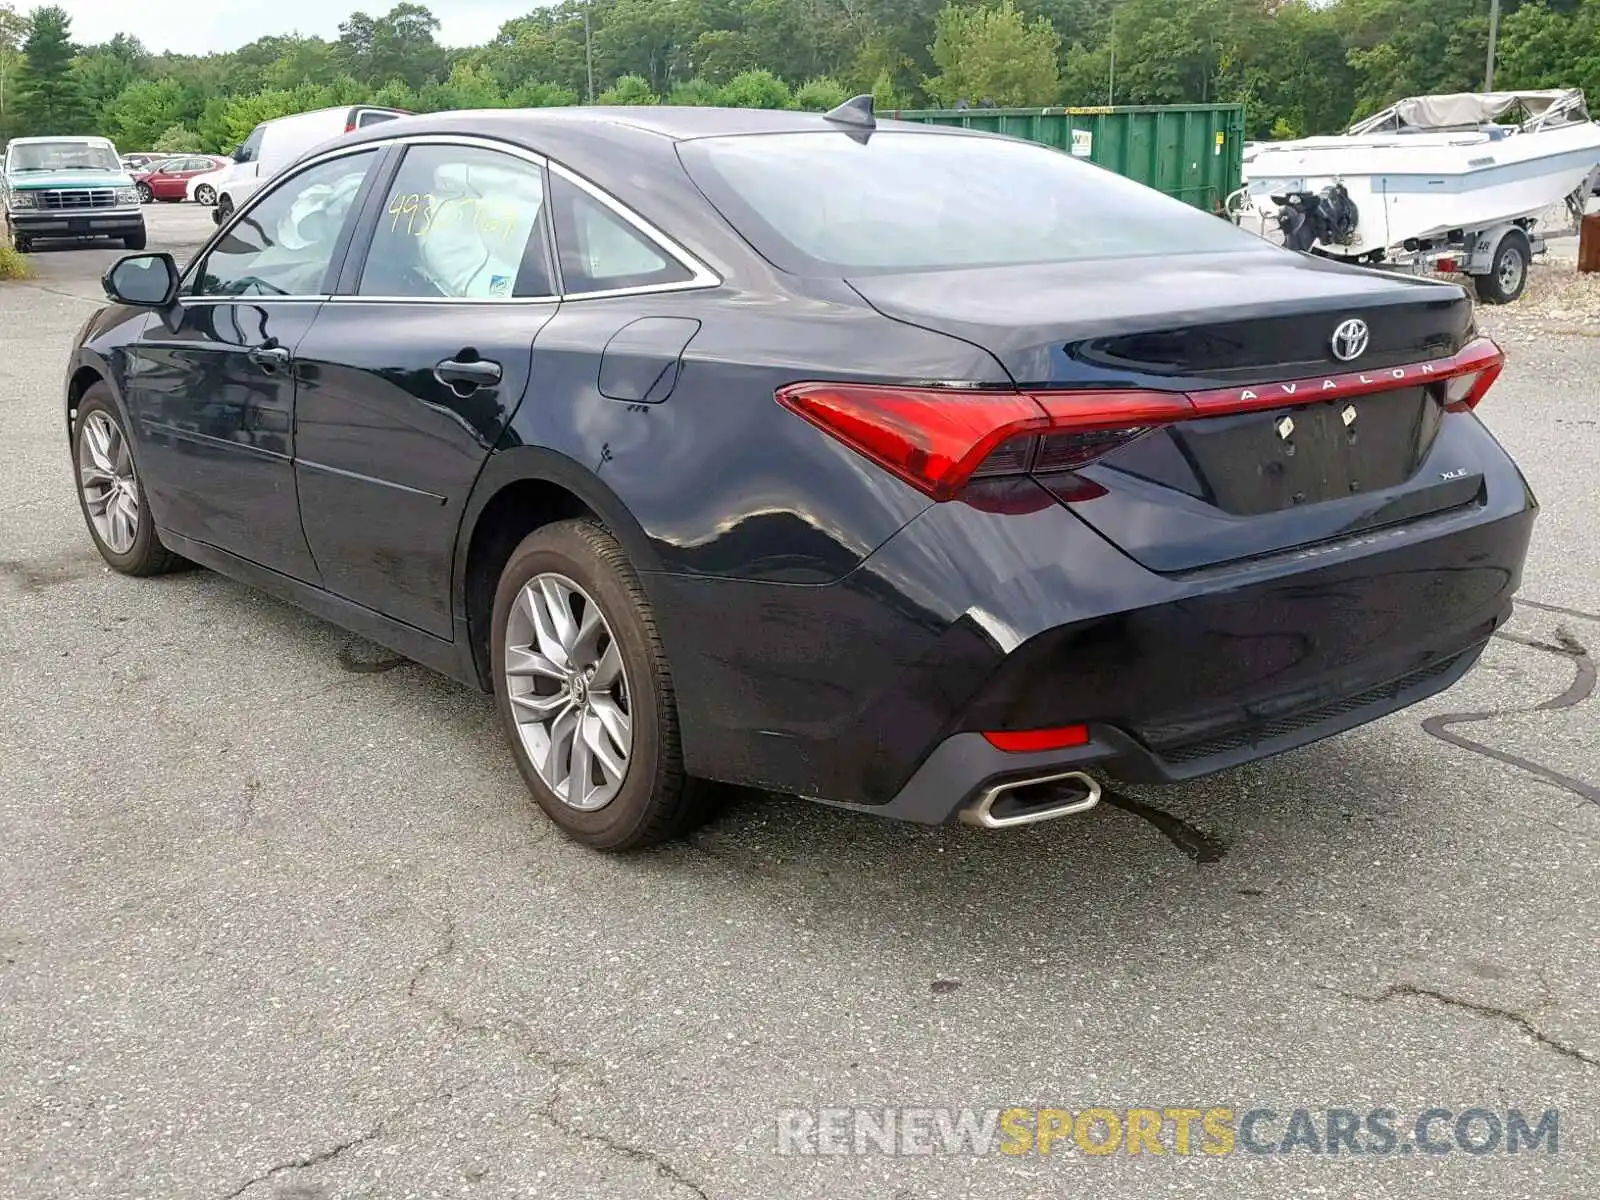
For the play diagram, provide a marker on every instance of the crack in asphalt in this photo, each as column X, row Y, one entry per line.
column 662, row 1166
column 1581, row 688
column 82, row 299
column 1397, row 991
column 334, row 1151
column 563, row 1068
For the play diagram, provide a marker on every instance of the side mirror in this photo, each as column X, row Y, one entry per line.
column 143, row 280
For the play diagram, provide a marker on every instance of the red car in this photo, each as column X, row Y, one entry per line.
column 167, row 179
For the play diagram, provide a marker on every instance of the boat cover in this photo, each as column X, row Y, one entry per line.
column 1468, row 108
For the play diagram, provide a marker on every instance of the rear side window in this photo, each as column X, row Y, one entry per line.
column 372, row 117
column 460, row 223
column 601, row 251
column 823, row 203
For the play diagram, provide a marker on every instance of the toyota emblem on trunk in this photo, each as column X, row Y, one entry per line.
column 1350, row 339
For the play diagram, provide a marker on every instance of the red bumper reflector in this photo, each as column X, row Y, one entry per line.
column 1029, row 741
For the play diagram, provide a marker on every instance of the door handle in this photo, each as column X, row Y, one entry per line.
column 269, row 356
column 465, row 376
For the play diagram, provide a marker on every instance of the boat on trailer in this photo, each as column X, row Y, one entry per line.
column 1443, row 183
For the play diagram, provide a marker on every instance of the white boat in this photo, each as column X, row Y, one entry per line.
column 1433, row 177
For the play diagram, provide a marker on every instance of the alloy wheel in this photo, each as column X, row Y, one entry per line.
column 204, row 195
column 110, row 487
column 569, row 692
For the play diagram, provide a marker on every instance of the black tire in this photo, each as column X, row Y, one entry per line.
column 656, row 800
column 21, row 244
column 135, row 241
column 1508, row 270
column 205, row 194
column 146, row 556
column 145, row 194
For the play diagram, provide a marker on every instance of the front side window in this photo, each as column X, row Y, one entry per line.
column 460, row 223
column 250, row 150
column 284, row 245
column 600, row 251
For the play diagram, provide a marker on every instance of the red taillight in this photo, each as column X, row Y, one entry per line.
column 1028, row 741
column 932, row 438
column 938, row 439
column 1476, row 368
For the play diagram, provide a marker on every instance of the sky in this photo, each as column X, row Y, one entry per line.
column 202, row 26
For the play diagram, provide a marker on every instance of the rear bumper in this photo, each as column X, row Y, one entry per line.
column 872, row 692
column 71, row 224
column 964, row 765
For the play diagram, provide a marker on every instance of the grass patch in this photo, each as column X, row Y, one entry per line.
column 13, row 265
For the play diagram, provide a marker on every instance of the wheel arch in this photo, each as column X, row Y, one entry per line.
column 521, row 489
column 85, row 373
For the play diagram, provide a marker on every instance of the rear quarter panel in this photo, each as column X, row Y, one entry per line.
column 722, row 479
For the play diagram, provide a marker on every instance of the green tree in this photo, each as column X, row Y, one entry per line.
column 1541, row 48
column 819, row 95
column 699, row 93
column 630, row 89
column 540, row 95
column 886, row 96
column 101, row 79
column 13, row 29
column 647, row 38
column 755, row 89
column 143, row 112
column 50, row 99
column 468, row 87
column 994, row 54
column 398, row 45
column 178, row 139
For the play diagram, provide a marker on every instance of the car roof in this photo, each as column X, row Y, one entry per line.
column 66, row 137
column 673, row 122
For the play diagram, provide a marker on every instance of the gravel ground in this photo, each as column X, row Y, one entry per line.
column 276, row 921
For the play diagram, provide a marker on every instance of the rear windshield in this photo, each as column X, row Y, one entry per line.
column 824, row 203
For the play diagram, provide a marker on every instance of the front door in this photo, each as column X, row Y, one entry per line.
column 211, row 385
column 410, row 375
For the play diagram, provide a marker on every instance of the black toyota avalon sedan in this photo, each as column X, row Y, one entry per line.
column 929, row 473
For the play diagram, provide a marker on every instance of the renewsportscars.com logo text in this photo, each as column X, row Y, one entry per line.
column 1215, row 1131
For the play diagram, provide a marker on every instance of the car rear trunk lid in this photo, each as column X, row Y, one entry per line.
column 1323, row 449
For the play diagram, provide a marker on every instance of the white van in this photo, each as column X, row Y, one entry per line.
column 273, row 145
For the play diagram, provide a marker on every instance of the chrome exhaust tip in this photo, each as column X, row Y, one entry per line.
column 1042, row 799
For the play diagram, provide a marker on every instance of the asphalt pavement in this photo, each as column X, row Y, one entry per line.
column 278, row 921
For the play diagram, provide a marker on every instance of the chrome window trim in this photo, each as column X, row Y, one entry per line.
column 701, row 276
column 470, row 300
column 252, row 298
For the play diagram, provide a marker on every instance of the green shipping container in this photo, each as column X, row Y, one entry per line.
column 1194, row 152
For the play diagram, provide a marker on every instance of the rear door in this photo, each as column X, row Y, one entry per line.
column 211, row 386
column 410, row 374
